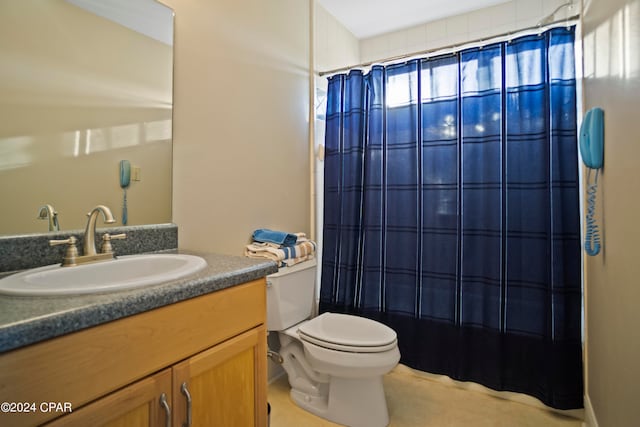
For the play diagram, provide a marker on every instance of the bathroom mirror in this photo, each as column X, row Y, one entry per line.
column 84, row 84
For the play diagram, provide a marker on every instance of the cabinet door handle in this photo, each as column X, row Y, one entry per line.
column 184, row 390
column 167, row 409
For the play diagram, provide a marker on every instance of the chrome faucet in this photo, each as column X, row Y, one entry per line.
column 89, row 243
column 47, row 212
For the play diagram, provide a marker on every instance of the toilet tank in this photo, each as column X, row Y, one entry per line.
column 290, row 295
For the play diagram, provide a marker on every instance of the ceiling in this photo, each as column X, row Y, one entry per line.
column 367, row 18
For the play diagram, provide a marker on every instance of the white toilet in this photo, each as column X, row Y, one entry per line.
column 335, row 362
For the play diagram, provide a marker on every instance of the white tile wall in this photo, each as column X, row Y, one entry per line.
column 492, row 20
column 416, row 37
column 334, row 45
column 483, row 23
column 528, row 10
column 457, row 28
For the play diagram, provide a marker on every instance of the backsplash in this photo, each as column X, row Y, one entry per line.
column 20, row 252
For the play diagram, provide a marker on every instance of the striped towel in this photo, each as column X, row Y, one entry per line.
column 283, row 255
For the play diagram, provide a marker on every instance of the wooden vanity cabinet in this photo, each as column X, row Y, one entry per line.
column 136, row 405
column 221, row 385
column 115, row 374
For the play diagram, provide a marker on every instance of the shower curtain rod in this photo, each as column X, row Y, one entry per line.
column 460, row 46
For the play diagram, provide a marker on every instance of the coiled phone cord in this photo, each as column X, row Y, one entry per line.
column 591, row 235
column 125, row 216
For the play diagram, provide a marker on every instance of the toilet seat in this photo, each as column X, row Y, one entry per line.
column 347, row 333
column 347, row 348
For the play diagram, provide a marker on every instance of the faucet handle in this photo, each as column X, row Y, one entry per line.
column 71, row 253
column 70, row 241
column 106, row 247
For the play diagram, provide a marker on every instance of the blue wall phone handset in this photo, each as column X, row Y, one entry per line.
column 591, row 144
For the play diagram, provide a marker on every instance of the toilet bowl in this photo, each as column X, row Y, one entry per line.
column 334, row 362
column 349, row 346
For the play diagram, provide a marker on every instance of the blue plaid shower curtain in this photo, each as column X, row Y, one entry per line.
column 452, row 212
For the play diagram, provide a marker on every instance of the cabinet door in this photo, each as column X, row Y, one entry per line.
column 226, row 384
column 137, row 405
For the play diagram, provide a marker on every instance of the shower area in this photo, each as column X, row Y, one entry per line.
column 450, row 209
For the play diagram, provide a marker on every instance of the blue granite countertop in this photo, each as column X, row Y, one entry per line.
column 27, row 320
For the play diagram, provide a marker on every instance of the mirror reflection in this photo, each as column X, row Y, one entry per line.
column 84, row 85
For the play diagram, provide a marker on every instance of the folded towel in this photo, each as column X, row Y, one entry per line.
column 285, row 262
column 300, row 250
column 301, row 239
column 269, row 251
column 264, row 235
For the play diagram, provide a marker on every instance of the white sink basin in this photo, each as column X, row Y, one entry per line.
column 125, row 272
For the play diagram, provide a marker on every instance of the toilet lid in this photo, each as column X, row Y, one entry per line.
column 348, row 333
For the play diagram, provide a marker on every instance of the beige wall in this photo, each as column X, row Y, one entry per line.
column 241, row 108
column 334, row 45
column 612, row 81
column 79, row 93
